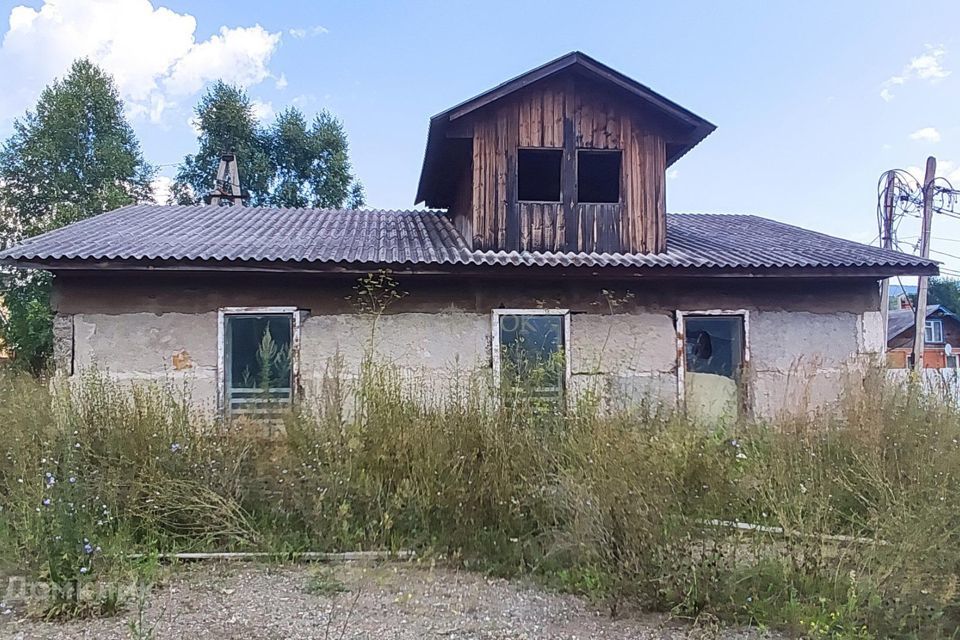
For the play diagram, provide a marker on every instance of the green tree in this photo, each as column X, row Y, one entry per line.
column 944, row 291
column 288, row 164
column 72, row 157
column 226, row 122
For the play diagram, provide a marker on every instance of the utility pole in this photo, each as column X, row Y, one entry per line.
column 227, row 184
column 887, row 239
column 921, row 310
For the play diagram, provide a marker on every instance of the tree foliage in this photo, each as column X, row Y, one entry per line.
column 27, row 325
column 946, row 292
column 72, row 157
column 291, row 163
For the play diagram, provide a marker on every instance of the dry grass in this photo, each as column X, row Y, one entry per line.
column 612, row 506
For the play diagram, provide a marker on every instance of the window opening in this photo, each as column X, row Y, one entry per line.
column 532, row 352
column 598, row 176
column 258, row 368
column 538, row 175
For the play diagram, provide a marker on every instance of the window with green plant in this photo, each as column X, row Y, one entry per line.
column 530, row 349
column 257, row 361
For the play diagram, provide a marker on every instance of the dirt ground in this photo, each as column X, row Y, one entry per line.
column 391, row 601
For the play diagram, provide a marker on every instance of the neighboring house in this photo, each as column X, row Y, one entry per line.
column 941, row 335
column 901, row 296
column 552, row 245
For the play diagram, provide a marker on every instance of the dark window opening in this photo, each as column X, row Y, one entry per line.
column 538, row 174
column 714, row 345
column 257, row 362
column 598, row 176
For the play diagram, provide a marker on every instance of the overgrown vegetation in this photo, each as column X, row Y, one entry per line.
column 626, row 508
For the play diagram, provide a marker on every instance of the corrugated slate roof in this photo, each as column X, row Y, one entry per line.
column 899, row 320
column 262, row 234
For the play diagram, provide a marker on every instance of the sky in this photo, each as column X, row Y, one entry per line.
column 812, row 100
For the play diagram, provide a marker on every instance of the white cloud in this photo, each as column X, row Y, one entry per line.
column 281, row 82
column 300, row 32
column 162, row 189
column 926, row 134
column 945, row 169
column 238, row 56
column 194, row 125
column 927, row 66
column 262, row 111
column 152, row 53
column 672, row 174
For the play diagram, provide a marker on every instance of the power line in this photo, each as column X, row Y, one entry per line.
column 944, row 253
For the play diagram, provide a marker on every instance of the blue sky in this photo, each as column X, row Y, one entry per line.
column 812, row 100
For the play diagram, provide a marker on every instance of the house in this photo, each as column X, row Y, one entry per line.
column 546, row 240
column 941, row 338
column 901, row 296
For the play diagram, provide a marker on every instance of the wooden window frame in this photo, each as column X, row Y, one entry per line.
column 495, row 331
column 223, row 313
column 682, row 353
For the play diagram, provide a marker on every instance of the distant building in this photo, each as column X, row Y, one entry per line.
column 941, row 335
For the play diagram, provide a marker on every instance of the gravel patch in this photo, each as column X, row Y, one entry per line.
column 234, row 601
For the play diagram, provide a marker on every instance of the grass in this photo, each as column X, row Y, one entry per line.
column 614, row 506
column 323, row 582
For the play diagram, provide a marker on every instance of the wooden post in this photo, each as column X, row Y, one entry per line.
column 887, row 239
column 227, row 183
column 921, row 310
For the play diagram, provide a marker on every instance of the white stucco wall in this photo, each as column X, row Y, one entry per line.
column 798, row 358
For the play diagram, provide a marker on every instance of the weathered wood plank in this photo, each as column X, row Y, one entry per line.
column 568, row 175
column 511, row 213
column 567, row 114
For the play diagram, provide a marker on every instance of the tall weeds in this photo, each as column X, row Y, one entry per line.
column 855, row 511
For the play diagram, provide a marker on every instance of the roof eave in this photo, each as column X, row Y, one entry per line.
column 476, row 270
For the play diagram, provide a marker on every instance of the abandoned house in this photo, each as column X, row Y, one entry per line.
column 941, row 337
column 545, row 239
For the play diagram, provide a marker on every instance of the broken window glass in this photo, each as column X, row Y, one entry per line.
column 257, row 361
column 713, row 361
column 532, row 352
column 714, row 344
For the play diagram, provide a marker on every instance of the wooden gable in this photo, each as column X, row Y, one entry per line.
column 571, row 111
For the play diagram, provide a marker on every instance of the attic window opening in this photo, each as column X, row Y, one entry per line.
column 598, row 176
column 538, row 175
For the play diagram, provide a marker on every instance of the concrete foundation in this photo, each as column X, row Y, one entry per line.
column 803, row 337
